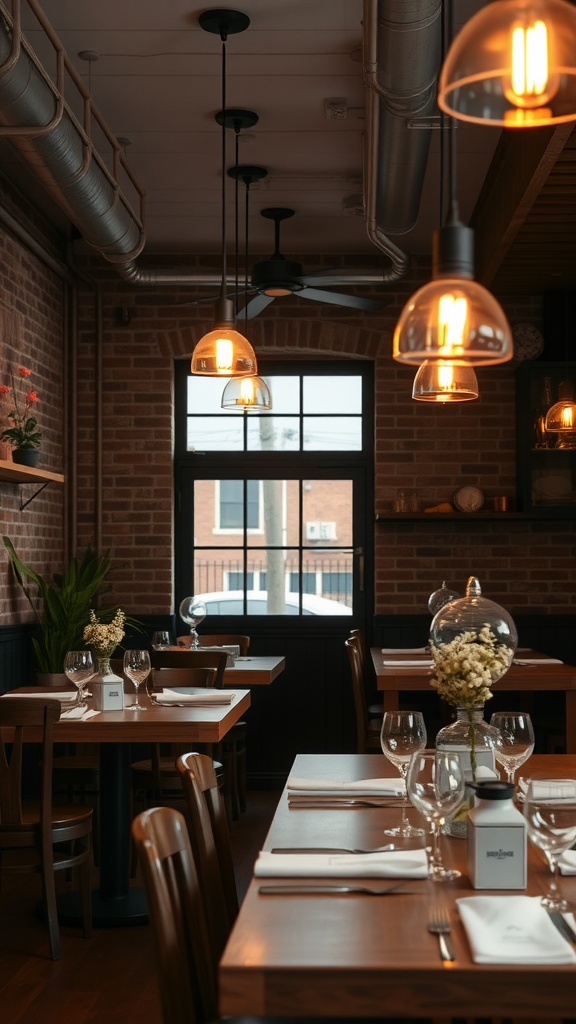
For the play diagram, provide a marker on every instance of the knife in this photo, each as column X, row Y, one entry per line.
column 330, row 849
column 562, row 925
column 299, row 802
column 321, row 890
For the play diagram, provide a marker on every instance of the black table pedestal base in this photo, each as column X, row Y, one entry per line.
column 106, row 913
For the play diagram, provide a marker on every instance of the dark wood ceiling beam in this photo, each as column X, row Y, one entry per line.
column 520, row 167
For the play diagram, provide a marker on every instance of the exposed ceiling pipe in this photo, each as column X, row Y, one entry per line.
column 402, row 57
column 402, row 52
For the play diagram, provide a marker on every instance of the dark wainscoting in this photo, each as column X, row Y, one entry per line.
column 16, row 657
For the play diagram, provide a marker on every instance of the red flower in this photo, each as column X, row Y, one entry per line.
column 32, row 396
column 24, row 372
column 4, row 389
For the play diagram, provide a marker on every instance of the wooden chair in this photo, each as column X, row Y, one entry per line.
column 367, row 728
column 187, row 970
column 210, row 842
column 38, row 836
column 375, row 709
column 232, row 750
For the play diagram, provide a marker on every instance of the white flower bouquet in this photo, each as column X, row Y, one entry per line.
column 465, row 668
column 104, row 637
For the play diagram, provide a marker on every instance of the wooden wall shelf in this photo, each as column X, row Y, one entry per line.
column 460, row 517
column 26, row 475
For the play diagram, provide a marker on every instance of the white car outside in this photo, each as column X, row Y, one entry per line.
column 231, row 602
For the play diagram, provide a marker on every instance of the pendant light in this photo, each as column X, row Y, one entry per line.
column 224, row 351
column 513, row 64
column 443, row 381
column 453, row 318
column 561, row 417
column 246, row 394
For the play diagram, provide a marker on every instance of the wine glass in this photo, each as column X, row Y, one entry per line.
column 161, row 640
column 515, row 742
column 137, row 668
column 79, row 668
column 403, row 733
column 550, row 812
column 193, row 612
column 435, row 785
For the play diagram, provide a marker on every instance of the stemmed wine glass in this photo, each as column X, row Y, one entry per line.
column 137, row 668
column 193, row 612
column 79, row 668
column 435, row 785
column 550, row 812
column 516, row 740
column 403, row 733
column 161, row 640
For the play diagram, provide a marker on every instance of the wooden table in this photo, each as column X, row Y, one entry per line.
column 254, row 671
column 364, row 956
column 395, row 680
column 115, row 902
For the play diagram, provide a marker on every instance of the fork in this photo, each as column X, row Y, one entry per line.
column 439, row 924
column 331, row 849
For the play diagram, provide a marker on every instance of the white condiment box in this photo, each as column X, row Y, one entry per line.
column 108, row 695
column 496, row 832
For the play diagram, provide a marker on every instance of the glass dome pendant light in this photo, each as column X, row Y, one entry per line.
column 246, row 394
column 224, row 351
column 453, row 318
column 561, row 417
column 513, row 64
column 442, row 382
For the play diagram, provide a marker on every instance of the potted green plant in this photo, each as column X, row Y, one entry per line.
column 62, row 604
column 24, row 435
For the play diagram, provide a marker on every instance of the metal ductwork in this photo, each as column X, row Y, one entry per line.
column 402, row 58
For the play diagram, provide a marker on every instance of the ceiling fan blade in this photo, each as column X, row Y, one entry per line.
column 255, row 306
column 339, row 299
column 341, row 278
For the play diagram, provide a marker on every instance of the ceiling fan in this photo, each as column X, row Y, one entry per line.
column 278, row 276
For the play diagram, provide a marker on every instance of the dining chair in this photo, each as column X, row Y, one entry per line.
column 232, row 750
column 210, row 842
column 367, row 726
column 186, row 968
column 37, row 835
column 376, row 708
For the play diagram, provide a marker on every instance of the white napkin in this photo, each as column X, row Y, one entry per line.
column 82, row 714
column 405, row 650
column 512, row 930
column 408, row 663
column 537, row 661
column 200, row 696
column 65, row 696
column 391, row 864
column 302, row 788
column 567, row 863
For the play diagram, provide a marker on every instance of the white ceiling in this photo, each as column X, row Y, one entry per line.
column 157, row 82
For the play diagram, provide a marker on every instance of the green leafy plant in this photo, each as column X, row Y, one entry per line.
column 24, row 431
column 62, row 604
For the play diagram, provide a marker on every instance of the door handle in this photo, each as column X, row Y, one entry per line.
column 359, row 552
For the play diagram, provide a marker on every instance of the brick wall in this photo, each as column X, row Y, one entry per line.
column 120, row 478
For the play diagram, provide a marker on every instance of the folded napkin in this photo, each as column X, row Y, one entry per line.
column 390, row 864
column 405, row 650
column 199, row 696
column 537, row 661
column 512, row 930
column 567, row 863
column 82, row 714
column 65, row 696
column 423, row 662
column 302, row 788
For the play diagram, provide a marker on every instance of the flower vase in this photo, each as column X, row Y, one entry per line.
column 26, row 456
column 107, row 687
column 474, row 740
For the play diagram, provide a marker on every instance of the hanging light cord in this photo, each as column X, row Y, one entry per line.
column 223, row 37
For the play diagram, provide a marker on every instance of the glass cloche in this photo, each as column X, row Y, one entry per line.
column 438, row 598
column 471, row 614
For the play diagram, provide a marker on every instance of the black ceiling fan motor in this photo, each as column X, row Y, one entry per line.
column 277, row 275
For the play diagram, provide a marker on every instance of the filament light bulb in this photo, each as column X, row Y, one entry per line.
column 452, row 316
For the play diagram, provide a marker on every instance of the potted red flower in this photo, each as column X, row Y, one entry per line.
column 23, row 436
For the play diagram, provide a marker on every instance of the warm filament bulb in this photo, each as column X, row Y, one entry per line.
column 452, row 315
column 247, row 391
column 567, row 416
column 529, row 77
column 445, row 377
column 224, row 355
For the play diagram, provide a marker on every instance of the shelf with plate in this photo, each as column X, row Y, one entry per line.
column 16, row 474
column 449, row 517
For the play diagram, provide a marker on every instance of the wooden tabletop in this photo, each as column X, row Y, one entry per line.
column 155, row 725
column 365, row 956
column 254, row 671
column 393, row 680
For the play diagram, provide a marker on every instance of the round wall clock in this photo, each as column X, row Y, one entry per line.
column 468, row 499
column 528, row 342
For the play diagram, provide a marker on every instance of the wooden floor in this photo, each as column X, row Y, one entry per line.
column 108, row 978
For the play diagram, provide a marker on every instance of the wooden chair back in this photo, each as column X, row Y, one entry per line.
column 184, row 658
column 186, row 966
column 30, row 830
column 210, row 842
column 176, row 677
column 217, row 639
column 367, row 730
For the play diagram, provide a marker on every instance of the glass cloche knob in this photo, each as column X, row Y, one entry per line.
column 441, row 597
